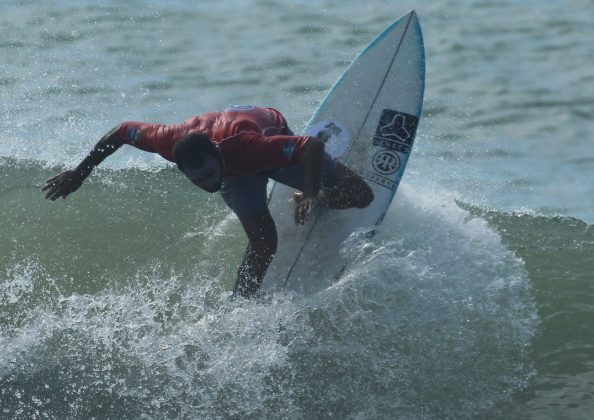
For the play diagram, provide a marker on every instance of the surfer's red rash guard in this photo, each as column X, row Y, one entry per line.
column 250, row 139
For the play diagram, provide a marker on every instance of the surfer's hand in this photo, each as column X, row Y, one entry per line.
column 61, row 185
column 303, row 207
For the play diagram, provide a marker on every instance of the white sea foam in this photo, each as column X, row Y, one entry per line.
column 432, row 319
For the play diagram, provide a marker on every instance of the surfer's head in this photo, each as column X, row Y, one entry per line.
column 197, row 157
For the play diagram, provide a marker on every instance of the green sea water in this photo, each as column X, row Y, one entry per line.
column 473, row 300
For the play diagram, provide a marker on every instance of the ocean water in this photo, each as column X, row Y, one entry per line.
column 474, row 300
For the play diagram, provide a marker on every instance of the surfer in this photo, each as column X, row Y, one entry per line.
column 236, row 151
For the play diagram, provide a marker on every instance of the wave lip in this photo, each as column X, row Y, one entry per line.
column 558, row 256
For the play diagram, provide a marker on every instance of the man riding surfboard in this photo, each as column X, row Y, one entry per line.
column 236, row 151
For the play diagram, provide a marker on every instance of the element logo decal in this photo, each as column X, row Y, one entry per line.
column 386, row 162
column 133, row 135
column 395, row 131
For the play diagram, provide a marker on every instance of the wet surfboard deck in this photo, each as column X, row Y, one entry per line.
column 368, row 121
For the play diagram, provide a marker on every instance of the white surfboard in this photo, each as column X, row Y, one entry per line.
column 368, row 121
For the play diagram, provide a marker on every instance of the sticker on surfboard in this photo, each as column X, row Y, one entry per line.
column 396, row 130
column 333, row 133
column 393, row 138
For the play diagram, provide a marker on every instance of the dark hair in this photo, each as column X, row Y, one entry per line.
column 192, row 150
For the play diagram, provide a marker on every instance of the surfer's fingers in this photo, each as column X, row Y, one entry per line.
column 302, row 209
column 53, row 179
column 303, row 214
column 299, row 214
column 51, row 185
column 51, row 192
column 54, row 196
column 60, row 194
column 56, row 192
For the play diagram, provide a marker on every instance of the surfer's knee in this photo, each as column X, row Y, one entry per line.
column 364, row 195
column 261, row 232
column 351, row 187
column 265, row 245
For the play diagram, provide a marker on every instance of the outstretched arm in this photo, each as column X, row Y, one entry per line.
column 69, row 181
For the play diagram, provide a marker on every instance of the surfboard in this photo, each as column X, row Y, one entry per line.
column 368, row 121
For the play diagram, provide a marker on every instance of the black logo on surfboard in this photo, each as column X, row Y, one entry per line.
column 395, row 131
column 386, row 162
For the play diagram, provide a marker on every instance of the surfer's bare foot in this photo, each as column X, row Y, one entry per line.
column 297, row 197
